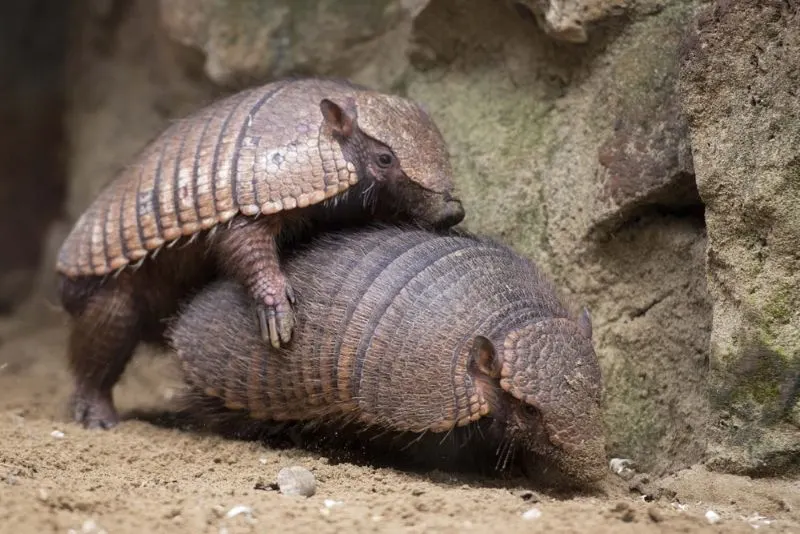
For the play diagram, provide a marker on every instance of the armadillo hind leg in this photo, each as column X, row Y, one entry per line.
column 101, row 344
column 248, row 252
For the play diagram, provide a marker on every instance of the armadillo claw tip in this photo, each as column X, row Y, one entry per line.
column 276, row 328
column 261, row 311
column 286, row 326
column 273, row 329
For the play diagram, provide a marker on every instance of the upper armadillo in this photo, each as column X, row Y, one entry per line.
column 409, row 331
column 275, row 151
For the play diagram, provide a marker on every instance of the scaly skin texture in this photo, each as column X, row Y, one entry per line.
column 408, row 331
column 231, row 176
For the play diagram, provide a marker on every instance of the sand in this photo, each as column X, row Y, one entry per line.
column 58, row 477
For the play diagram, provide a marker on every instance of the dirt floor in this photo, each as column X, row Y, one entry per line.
column 57, row 477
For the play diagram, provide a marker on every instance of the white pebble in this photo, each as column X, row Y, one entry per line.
column 533, row 513
column 90, row 527
column 712, row 516
column 262, row 461
column 297, row 480
column 622, row 467
column 237, row 510
column 57, row 434
column 330, row 503
column 756, row 520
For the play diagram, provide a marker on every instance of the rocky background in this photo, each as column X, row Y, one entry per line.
column 646, row 153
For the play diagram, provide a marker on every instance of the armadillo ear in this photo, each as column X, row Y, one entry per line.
column 585, row 323
column 484, row 358
column 337, row 118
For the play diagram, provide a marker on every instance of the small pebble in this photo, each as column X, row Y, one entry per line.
column 533, row 513
column 329, row 503
column 622, row 467
column 237, row 510
column 296, row 481
column 90, row 527
column 712, row 517
column 57, row 434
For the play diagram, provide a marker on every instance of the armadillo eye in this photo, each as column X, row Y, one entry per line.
column 384, row 160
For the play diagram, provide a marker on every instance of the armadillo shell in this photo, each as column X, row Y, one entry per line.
column 385, row 322
column 262, row 150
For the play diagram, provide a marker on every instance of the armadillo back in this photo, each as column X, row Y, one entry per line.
column 262, row 150
column 386, row 318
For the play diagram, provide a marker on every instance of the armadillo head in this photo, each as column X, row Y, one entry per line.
column 549, row 393
column 395, row 144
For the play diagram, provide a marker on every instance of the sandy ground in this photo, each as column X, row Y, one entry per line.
column 57, row 477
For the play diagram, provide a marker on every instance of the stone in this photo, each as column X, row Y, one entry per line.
column 647, row 163
column 296, row 481
column 568, row 20
column 740, row 83
column 250, row 41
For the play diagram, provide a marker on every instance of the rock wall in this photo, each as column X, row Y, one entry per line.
column 580, row 132
column 741, row 87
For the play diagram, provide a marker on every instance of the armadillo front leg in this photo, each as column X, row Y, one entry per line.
column 248, row 252
column 100, row 346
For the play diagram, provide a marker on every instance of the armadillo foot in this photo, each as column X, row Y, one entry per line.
column 94, row 410
column 276, row 318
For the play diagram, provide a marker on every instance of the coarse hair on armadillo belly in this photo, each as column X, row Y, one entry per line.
column 477, row 448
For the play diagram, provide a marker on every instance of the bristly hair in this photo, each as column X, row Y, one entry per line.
column 479, row 448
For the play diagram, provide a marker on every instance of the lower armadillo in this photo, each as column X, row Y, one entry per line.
column 410, row 331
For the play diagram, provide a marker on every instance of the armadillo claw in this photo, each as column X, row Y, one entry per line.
column 276, row 321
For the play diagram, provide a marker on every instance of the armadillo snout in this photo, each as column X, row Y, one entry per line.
column 450, row 215
column 440, row 211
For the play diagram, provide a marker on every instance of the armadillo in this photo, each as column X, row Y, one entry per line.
column 234, row 176
column 408, row 330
